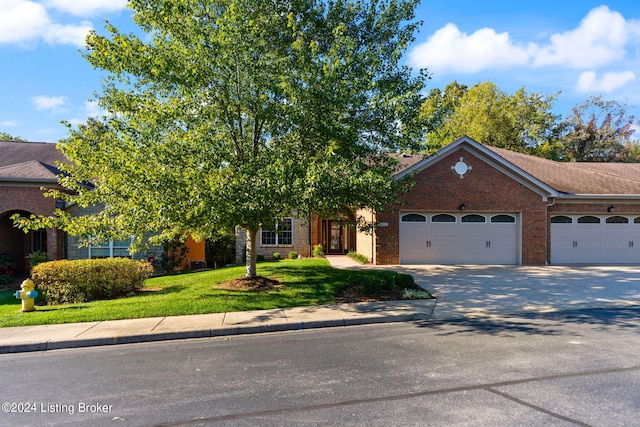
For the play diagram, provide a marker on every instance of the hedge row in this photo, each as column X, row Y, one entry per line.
column 91, row 279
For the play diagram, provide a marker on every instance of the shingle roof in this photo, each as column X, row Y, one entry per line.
column 29, row 161
column 577, row 177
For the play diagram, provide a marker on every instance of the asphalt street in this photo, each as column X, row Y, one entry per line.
column 567, row 367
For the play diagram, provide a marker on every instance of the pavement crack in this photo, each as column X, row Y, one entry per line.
column 487, row 387
column 536, row 407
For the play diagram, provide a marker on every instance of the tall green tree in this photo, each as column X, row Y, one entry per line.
column 599, row 130
column 521, row 121
column 240, row 112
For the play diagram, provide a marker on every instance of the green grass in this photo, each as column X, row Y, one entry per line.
column 306, row 282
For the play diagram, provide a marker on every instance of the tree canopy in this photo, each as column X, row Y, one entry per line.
column 4, row 136
column 520, row 122
column 240, row 112
column 599, row 131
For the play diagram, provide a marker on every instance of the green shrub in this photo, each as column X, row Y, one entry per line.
column 7, row 267
column 37, row 257
column 416, row 294
column 388, row 279
column 358, row 257
column 318, row 251
column 293, row 255
column 276, row 255
column 372, row 286
column 405, row 281
column 91, row 279
column 259, row 258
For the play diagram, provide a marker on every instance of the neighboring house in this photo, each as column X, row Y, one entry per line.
column 26, row 168
column 476, row 204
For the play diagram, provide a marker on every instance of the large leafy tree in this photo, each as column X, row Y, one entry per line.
column 240, row 112
column 521, row 121
column 599, row 130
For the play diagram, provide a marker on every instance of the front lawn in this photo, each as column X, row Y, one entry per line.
column 302, row 283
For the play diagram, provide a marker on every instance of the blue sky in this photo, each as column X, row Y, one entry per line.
column 578, row 47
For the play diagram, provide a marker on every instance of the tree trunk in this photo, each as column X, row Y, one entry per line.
column 251, row 252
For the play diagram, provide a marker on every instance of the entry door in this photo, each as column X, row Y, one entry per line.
column 335, row 237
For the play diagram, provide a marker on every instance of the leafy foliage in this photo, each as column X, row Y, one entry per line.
column 240, row 112
column 89, row 280
column 599, row 131
column 520, row 122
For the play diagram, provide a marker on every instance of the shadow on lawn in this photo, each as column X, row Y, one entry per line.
column 551, row 323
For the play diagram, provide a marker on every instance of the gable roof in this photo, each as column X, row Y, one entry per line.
column 547, row 177
column 29, row 161
column 578, row 178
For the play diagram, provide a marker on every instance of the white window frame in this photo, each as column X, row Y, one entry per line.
column 278, row 234
column 110, row 246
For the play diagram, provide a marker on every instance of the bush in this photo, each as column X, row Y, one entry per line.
column 276, row 255
column 388, row 279
column 259, row 258
column 405, row 281
column 91, row 279
column 293, row 255
column 318, row 251
column 36, row 258
column 7, row 267
column 372, row 286
column 358, row 257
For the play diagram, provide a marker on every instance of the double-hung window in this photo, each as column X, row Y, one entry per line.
column 281, row 233
column 110, row 249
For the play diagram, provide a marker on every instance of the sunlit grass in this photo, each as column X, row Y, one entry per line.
column 305, row 282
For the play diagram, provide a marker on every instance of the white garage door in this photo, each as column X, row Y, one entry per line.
column 458, row 238
column 595, row 239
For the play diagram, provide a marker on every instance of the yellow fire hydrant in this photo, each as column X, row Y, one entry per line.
column 27, row 294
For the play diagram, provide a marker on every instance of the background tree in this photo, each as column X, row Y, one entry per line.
column 4, row 136
column 242, row 112
column 519, row 122
column 599, row 131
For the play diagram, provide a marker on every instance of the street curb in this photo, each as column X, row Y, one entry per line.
column 207, row 333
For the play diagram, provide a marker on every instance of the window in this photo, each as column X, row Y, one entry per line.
column 561, row 219
column 443, row 218
column 617, row 220
column 112, row 249
column 588, row 220
column 503, row 219
column 414, row 218
column 637, row 220
column 473, row 218
column 281, row 233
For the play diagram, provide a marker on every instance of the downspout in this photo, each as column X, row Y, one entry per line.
column 547, row 242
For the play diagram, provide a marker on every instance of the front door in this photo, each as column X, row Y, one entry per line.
column 335, row 237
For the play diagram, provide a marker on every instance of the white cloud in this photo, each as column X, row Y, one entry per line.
column 449, row 49
column 25, row 22
column 11, row 123
column 51, row 103
column 91, row 109
column 86, row 7
column 602, row 37
column 588, row 81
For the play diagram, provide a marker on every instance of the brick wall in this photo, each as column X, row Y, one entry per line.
column 482, row 189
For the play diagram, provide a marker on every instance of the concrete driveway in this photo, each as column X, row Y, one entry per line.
column 480, row 290
column 476, row 290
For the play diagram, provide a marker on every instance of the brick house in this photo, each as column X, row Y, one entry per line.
column 476, row 204
column 26, row 168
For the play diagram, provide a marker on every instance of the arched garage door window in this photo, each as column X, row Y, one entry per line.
column 503, row 219
column 414, row 218
column 473, row 218
column 443, row 218
column 588, row 220
column 561, row 219
column 617, row 220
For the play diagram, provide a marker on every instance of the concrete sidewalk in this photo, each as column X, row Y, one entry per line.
column 72, row 335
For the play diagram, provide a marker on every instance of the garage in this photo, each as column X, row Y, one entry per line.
column 595, row 239
column 459, row 238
